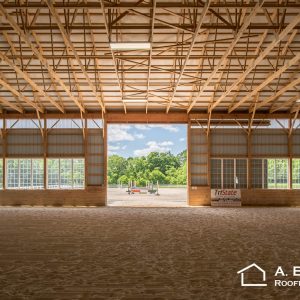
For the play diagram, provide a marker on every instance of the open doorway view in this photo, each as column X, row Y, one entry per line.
column 147, row 165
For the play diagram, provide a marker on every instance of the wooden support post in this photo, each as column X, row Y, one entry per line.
column 208, row 139
column 4, row 149
column 290, row 153
column 45, row 146
column 249, row 158
column 189, row 158
column 105, row 159
column 85, row 152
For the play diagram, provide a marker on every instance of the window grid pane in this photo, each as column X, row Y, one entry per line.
column 281, row 173
column 78, row 173
column 53, row 173
column 12, row 181
column 228, row 173
column 241, row 173
column 25, row 173
column 66, row 174
column 296, row 173
column 38, row 174
column 257, row 173
column 216, row 173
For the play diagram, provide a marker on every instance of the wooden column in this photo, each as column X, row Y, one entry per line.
column 45, row 146
column 290, row 154
column 249, row 158
column 85, row 140
column 105, row 158
column 4, row 150
column 208, row 157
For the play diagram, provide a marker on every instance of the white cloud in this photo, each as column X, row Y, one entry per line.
column 113, row 147
column 170, row 128
column 182, row 139
column 117, row 133
column 153, row 146
column 139, row 136
column 142, row 127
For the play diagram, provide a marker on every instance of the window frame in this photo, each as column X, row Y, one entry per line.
column 73, row 187
column 29, row 187
column 292, row 181
column 235, row 184
column 264, row 181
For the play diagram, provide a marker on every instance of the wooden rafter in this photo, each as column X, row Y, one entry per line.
column 223, row 60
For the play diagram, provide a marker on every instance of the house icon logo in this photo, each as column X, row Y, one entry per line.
column 247, row 269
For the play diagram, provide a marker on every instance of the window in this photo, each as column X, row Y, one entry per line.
column 216, row 173
column 270, row 173
column 229, row 173
column 296, row 173
column 1, row 174
column 65, row 173
column 25, row 174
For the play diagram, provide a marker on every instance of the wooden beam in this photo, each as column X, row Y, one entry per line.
column 20, row 96
column 259, row 59
column 266, row 82
column 285, row 104
column 70, row 45
column 195, row 35
column 30, row 81
column 279, row 93
column 26, row 38
column 146, row 118
column 11, row 105
column 223, row 60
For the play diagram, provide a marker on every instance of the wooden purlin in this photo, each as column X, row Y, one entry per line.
column 26, row 39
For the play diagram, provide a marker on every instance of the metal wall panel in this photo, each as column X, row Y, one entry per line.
column 268, row 142
column 95, row 157
column 296, row 142
column 228, row 142
column 198, row 157
column 65, row 142
column 24, row 142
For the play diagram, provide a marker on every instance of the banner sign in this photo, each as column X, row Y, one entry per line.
column 226, row 197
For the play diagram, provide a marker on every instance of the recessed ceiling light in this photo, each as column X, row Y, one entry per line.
column 130, row 46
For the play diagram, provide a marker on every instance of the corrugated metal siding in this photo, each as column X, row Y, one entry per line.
column 65, row 142
column 268, row 142
column 296, row 142
column 24, row 142
column 95, row 157
column 228, row 142
column 199, row 157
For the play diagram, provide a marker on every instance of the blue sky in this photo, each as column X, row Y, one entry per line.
column 139, row 140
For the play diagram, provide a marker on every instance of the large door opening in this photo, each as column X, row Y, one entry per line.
column 147, row 165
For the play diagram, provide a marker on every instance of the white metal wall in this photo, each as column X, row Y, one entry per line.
column 65, row 142
column 296, row 142
column 24, row 142
column 228, row 142
column 269, row 142
column 198, row 153
column 95, row 157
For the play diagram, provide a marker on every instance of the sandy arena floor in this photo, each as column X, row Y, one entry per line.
column 168, row 197
column 144, row 253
